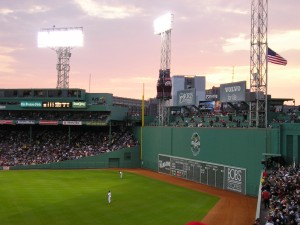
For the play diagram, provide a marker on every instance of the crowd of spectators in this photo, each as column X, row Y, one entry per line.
column 281, row 196
column 42, row 146
column 230, row 119
column 211, row 119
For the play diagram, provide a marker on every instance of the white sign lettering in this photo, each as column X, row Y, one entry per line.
column 233, row 89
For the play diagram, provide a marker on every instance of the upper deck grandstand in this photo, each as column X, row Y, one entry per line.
column 62, row 124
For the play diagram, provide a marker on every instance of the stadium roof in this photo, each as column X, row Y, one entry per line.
column 279, row 101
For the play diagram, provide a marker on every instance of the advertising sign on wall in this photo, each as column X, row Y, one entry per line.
column 186, row 97
column 31, row 104
column 233, row 92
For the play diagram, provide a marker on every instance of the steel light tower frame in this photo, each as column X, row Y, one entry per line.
column 63, row 66
column 163, row 26
column 259, row 63
column 61, row 40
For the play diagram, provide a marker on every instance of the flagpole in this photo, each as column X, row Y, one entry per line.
column 143, row 112
column 143, row 108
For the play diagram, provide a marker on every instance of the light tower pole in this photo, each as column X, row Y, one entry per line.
column 63, row 66
column 258, row 63
column 61, row 40
column 163, row 27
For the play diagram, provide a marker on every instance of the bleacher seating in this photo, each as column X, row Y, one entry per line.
column 45, row 145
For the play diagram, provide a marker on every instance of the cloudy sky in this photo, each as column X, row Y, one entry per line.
column 120, row 52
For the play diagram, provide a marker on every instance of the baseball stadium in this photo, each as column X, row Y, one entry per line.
column 192, row 155
column 60, row 136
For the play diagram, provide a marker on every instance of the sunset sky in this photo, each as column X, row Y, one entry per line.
column 120, row 51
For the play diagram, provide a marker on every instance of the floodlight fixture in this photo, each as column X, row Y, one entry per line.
column 60, row 37
column 163, row 23
column 61, row 40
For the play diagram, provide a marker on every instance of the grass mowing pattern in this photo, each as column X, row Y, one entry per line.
column 79, row 197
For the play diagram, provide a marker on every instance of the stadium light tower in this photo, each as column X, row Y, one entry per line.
column 163, row 26
column 61, row 40
column 259, row 63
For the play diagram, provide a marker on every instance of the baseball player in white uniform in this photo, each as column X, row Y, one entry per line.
column 109, row 197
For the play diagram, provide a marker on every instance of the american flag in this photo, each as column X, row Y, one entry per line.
column 275, row 58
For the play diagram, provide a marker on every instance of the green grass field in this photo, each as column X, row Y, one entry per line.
column 71, row 197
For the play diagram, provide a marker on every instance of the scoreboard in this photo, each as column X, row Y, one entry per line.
column 216, row 175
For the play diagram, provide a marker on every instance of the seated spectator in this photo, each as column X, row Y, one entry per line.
column 284, row 186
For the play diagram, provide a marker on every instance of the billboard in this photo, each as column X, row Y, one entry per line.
column 211, row 97
column 79, row 105
column 210, row 106
column 31, row 104
column 233, row 92
column 186, row 97
column 164, row 85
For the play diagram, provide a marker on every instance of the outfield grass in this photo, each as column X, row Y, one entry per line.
column 79, row 197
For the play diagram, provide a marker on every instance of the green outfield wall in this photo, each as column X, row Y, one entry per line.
column 290, row 142
column 239, row 147
column 124, row 158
